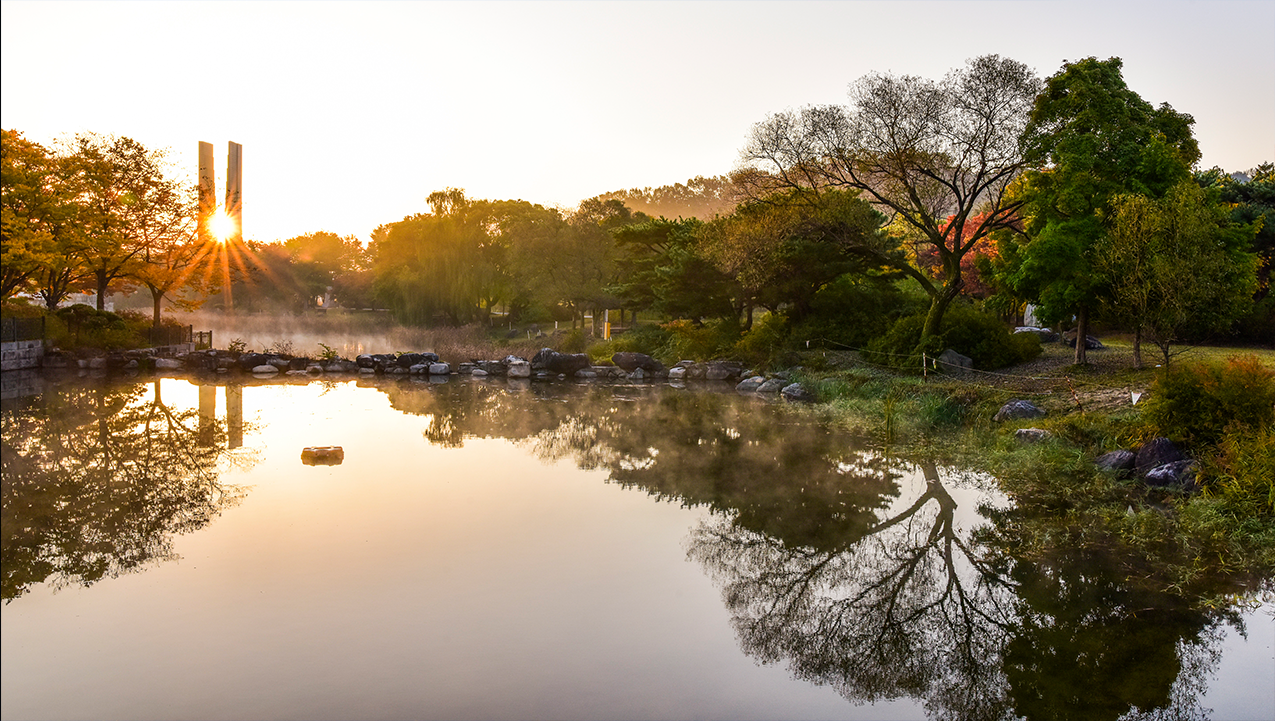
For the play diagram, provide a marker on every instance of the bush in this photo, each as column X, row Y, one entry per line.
column 82, row 326
column 1196, row 403
column 1242, row 472
column 762, row 345
column 573, row 341
column 850, row 312
column 645, row 339
column 980, row 336
column 688, row 341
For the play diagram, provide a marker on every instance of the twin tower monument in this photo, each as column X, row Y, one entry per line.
column 234, row 189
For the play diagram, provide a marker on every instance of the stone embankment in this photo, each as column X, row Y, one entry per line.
column 548, row 364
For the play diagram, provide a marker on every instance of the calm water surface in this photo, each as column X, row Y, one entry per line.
column 550, row 551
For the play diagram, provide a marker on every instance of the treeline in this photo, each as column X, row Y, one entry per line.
column 1071, row 193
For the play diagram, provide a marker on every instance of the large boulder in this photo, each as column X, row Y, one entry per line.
column 632, row 361
column 248, row 361
column 552, row 361
column 1018, row 409
column 1120, row 461
column 517, row 368
column 1091, row 343
column 1046, row 335
column 952, row 362
column 365, row 361
column 797, row 394
column 1178, row 474
column 1157, row 452
column 774, row 385
column 748, row 385
column 407, row 360
column 439, row 369
column 722, row 371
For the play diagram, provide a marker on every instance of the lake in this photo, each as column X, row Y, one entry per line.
column 495, row 550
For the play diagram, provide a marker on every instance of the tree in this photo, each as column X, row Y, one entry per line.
column 933, row 155
column 784, row 250
column 660, row 268
column 40, row 242
column 1177, row 267
column 699, row 197
column 1090, row 139
column 320, row 260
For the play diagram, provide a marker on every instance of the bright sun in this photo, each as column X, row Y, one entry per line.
column 221, row 226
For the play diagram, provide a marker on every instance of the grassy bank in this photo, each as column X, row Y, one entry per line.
column 1205, row 543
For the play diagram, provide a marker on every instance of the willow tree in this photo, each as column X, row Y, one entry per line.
column 936, row 156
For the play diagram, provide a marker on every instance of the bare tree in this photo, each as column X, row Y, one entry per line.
column 937, row 157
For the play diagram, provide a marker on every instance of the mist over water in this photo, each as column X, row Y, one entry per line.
column 349, row 334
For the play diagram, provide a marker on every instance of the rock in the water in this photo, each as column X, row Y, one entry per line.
column 167, row 364
column 773, row 385
column 677, row 373
column 518, row 368
column 419, row 369
column 265, row 368
column 1180, row 474
column 1017, row 409
column 722, row 371
column 478, row 373
column 491, row 367
column 439, row 369
column 632, row 361
column 638, row 374
column 796, row 393
column 1157, row 452
column 1032, row 435
column 952, row 362
column 365, row 361
column 248, row 361
column 1118, row 461
column 559, row 363
column 748, row 385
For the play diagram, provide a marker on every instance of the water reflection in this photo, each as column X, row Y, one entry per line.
column 827, row 568
column 98, row 479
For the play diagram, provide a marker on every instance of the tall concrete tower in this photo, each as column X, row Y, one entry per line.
column 207, row 188
column 234, row 188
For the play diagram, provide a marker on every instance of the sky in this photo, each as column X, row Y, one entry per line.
column 350, row 114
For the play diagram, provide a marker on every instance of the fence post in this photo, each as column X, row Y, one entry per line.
column 925, row 373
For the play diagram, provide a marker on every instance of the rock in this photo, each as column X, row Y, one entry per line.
column 362, row 371
column 465, row 368
column 1119, row 461
column 555, row 362
column 1091, row 343
column 795, row 393
column 952, row 362
column 296, row 373
column 749, row 385
column 491, row 367
column 722, row 371
column 298, row 364
column 774, row 385
column 632, row 361
column 1180, row 474
column 518, row 368
column 280, row 363
column 1156, row 452
column 1017, row 409
column 1046, row 335
column 248, row 361
column 365, row 361
column 1031, row 435
column 167, row 364
column 419, row 369
column 265, row 368
column 586, row 373
column 315, row 368
column 638, row 374
column 676, row 373
column 439, row 369
column 131, row 364
column 98, row 363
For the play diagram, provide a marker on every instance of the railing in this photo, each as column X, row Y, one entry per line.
column 171, row 335
column 203, row 339
column 16, row 329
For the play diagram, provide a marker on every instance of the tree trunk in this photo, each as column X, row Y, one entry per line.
column 1137, row 346
column 102, row 282
column 158, row 297
column 1082, row 333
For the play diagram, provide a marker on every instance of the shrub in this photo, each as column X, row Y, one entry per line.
column 764, row 343
column 851, row 312
column 688, row 341
column 645, row 339
column 573, row 341
column 980, row 336
column 1242, row 472
column 1195, row 403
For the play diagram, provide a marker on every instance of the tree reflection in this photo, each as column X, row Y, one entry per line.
column 98, row 480
column 824, row 568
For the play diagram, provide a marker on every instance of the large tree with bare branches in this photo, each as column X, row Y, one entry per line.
column 936, row 156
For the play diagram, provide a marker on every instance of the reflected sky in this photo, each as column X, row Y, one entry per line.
column 481, row 572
